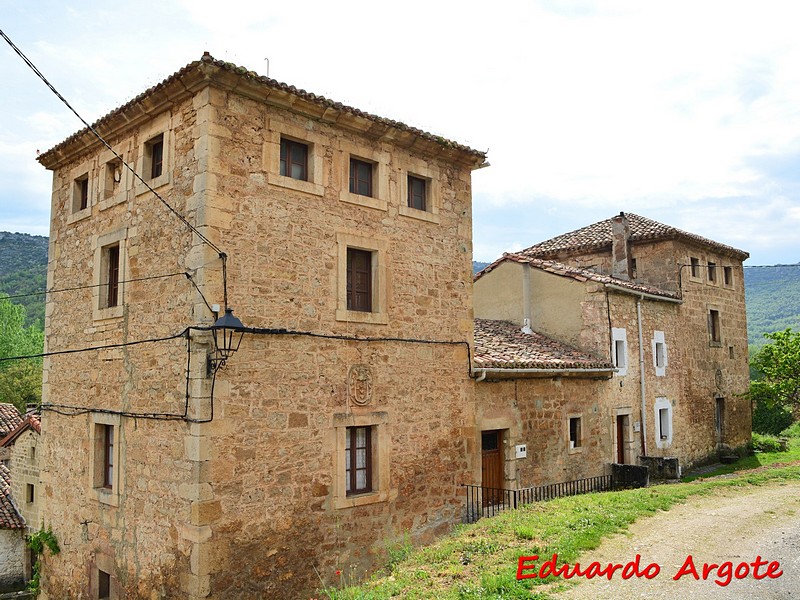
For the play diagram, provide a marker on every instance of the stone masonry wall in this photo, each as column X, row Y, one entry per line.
column 25, row 471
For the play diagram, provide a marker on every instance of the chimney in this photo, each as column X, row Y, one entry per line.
column 620, row 248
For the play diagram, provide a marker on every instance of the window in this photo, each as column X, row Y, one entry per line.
column 731, row 353
column 360, row 177
column 358, row 460
column 362, row 280
column 727, row 276
column 80, row 201
column 574, row 432
column 695, row 263
column 107, row 434
column 294, row 159
column 30, row 493
column 103, row 585
column 619, row 350
column 109, row 294
column 112, row 178
column 108, row 278
column 659, row 353
column 713, row 326
column 663, row 422
column 417, row 193
column 105, row 458
column 361, row 462
column 359, row 280
column 633, row 268
column 712, row 272
column 154, row 157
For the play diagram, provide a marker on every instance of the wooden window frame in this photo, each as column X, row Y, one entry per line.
column 108, row 456
column 356, row 166
column 155, row 149
column 356, row 292
column 286, row 161
column 727, row 276
column 80, row 201
column 377, row 422
column 112, row 268
column 351, row 449
column 575, row 433
column 379, row 284
column 415, row 181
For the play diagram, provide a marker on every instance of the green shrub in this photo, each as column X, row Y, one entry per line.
column 768, row 416
column 793, row 431
column 767, row 443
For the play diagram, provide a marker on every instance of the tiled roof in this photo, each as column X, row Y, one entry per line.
column 598, row 236
column 9, row 418
column 266, row 82
column 31, row 421
column 9, row 515
column 578, row 274
column 501, row 345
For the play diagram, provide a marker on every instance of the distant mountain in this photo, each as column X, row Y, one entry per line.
column 477, row 266
column 23, row 270
column 773, row 300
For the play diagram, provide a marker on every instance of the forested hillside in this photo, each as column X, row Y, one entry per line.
column 23, row 270
column 773, row 300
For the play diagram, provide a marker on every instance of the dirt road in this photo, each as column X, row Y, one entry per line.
column 731, row 525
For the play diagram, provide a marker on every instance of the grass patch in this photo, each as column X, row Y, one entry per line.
column 479, row 561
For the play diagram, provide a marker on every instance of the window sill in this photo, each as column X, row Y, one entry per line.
column 577, row 450
column 357, row 316
column 308, row 187
column 715, row 344
column 156, row 183
column 115, row 312
column 421, row 215
column 80, row 215
column 113, row 200
column 360, row 500
column 365, row 201
column 105, row 496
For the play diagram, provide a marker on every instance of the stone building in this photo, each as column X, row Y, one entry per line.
column 343, row 422
column 21, row 444
column 12, row 537
column 634, row 351
column 9, row 419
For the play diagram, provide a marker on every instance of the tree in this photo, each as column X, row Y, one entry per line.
column 20, row 380
column 778, row 366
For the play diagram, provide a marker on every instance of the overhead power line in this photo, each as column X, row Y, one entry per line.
column 107, row 145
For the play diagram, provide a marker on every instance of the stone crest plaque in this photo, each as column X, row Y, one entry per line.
column 359, row 385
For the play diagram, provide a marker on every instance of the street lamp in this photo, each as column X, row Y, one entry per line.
column 228, row 332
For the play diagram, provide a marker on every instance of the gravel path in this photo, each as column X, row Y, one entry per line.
column 732, row 525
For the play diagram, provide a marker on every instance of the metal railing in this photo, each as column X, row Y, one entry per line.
column 487, row 502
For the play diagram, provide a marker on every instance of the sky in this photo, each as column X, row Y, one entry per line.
column 685, row 112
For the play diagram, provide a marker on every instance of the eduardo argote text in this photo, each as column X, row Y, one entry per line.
column 722, row 574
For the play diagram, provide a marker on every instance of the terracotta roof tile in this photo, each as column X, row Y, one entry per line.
column 9, row 515
column 31, row 421
column 501, row 345
column 578, row 274
column 207, row 59
column 9, row 418
column 598, row 236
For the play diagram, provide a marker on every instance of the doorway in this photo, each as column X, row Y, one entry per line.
column 719, row 419
column 492, row 467
column 623, row 425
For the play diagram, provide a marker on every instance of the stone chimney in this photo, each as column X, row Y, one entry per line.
column 620, row 247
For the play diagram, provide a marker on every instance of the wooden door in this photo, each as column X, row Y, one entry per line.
column 491, row 463
column 622, row 426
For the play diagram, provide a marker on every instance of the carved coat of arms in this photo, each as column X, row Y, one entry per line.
column 359, row 385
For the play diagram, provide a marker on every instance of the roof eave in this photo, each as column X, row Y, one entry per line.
column 541, row 373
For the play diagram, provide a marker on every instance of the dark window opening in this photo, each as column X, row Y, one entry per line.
column 108, row 456
column 359, row 280
column 575, row 432
column 358, row 460
column 30, row 493
column 727, row 276
column 695, row 262
column 360, row 177
column 112, row 276
column 155, row 149
column 103, row 585
column 619, row 353
column 713, row 326
column 417, row 193
column 84, row 193
column 663, row 423
column 294, row 159
column 712, row 272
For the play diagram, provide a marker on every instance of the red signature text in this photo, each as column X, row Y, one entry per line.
column 725, row 572
column 595, row 569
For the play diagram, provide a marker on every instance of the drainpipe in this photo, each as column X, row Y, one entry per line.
column 641, row 374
